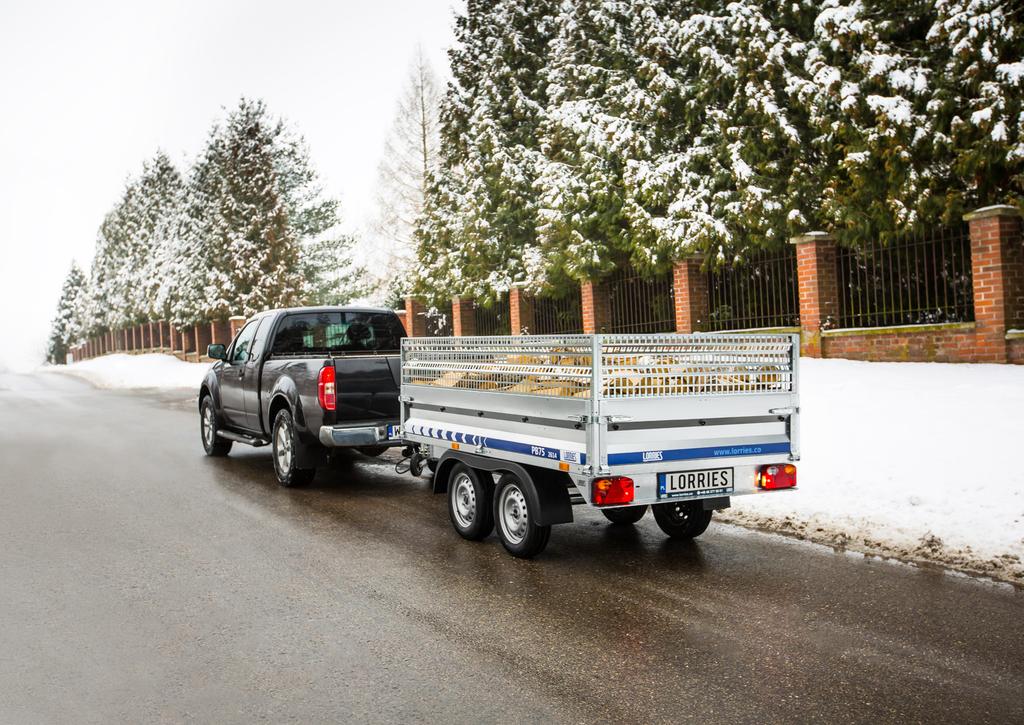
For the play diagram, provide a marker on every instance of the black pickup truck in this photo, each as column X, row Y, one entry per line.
column 306, row 381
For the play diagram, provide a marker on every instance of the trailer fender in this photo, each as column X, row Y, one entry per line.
column 546, row 490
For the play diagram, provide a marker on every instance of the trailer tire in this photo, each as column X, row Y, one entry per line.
column 213, row 444
column 625, row 516
column 469, row 502
column 682, row 519
column 285, row 446
column 516, row 519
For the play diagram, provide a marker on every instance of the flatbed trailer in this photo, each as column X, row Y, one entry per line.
column 518, row 429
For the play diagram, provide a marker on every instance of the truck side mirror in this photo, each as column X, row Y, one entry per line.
column 217, row 352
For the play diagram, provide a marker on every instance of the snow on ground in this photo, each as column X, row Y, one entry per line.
column 137, row 371
column 914, row 460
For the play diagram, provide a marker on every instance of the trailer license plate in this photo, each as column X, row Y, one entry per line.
column 695, row 483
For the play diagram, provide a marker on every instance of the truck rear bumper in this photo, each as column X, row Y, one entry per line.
column 356, row 436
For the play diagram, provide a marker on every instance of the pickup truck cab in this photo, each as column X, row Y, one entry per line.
column 305, row 381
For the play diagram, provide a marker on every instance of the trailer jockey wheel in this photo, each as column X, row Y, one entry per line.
column 416, row 464
column 516, row 520
column 469, row 502
column 682, row 519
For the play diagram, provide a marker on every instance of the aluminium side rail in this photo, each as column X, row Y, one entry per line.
column 651, row 407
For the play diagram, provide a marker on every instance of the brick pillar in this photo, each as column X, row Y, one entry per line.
column 237, row 322
column 125, row 340
column 690, row 285
column 220, row 333
column 186, row 342
column 997, row 266
column 463, row 317
column 521, row 312
column 415, row 318
column 202, row 331
column 596, row 308
column 818, row 283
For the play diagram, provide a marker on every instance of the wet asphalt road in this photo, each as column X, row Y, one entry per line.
column 143, row 582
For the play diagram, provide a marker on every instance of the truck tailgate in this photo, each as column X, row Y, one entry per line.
column 367, row 387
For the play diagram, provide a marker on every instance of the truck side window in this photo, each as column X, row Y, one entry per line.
column 240, row 352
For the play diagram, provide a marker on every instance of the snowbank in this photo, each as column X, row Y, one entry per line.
column 913, row 460
column 136, row 371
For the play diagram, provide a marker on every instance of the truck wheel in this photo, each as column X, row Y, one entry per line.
column 469, row 503
column 682, row 519
column 213, row 444
column 629, row 515
column 284, row 447
column 516, row 522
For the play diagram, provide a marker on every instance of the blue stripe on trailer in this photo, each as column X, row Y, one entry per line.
column 500, row 444
column 614, row 459
column 686, row 454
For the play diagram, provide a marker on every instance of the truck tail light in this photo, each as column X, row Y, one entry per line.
column 776, row 475
column 326, row 391
column 612, row 491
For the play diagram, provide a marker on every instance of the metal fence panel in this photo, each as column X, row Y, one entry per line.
column 558, row 316
column 759, row 291
column 493, row 318
column 915, row 280
column 639, row 303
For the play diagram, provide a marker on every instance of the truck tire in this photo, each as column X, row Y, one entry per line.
column 285, row 442
column 469, row 502
column 626, row 516
column 213, row 444
column 516, row 519
column 682, row 519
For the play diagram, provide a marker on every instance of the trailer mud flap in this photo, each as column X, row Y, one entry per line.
column 547, row 489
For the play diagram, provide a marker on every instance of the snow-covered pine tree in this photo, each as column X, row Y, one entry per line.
column 257, row 221
column 479, row 228
column 161, row 192
column 68, row 328
column 597, row 121
column 410, row 154
column 917, row 111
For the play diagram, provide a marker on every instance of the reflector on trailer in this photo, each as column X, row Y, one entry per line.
column 776, row 475
column 612, row 491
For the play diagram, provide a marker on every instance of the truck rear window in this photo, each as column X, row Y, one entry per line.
column 322, row 333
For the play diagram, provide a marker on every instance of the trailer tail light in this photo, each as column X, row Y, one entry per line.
column 777, row 475
column 326, row 391
column 612, row 491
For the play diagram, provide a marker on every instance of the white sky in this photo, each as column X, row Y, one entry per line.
column 88, row 90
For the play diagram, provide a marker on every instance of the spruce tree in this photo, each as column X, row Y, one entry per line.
column 68, row 328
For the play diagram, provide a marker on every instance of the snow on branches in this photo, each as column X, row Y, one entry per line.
column 588, row 133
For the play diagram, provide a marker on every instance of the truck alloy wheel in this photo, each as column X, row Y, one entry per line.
column 469, row 502
column 284, row 446
column 517, row 520
column 213, row 444
column 682, row 519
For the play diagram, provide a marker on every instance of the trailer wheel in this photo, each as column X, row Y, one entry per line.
column 469, row 502
column 285, row 443
column 516, row 520
column 629, row 515
column 682, row 519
